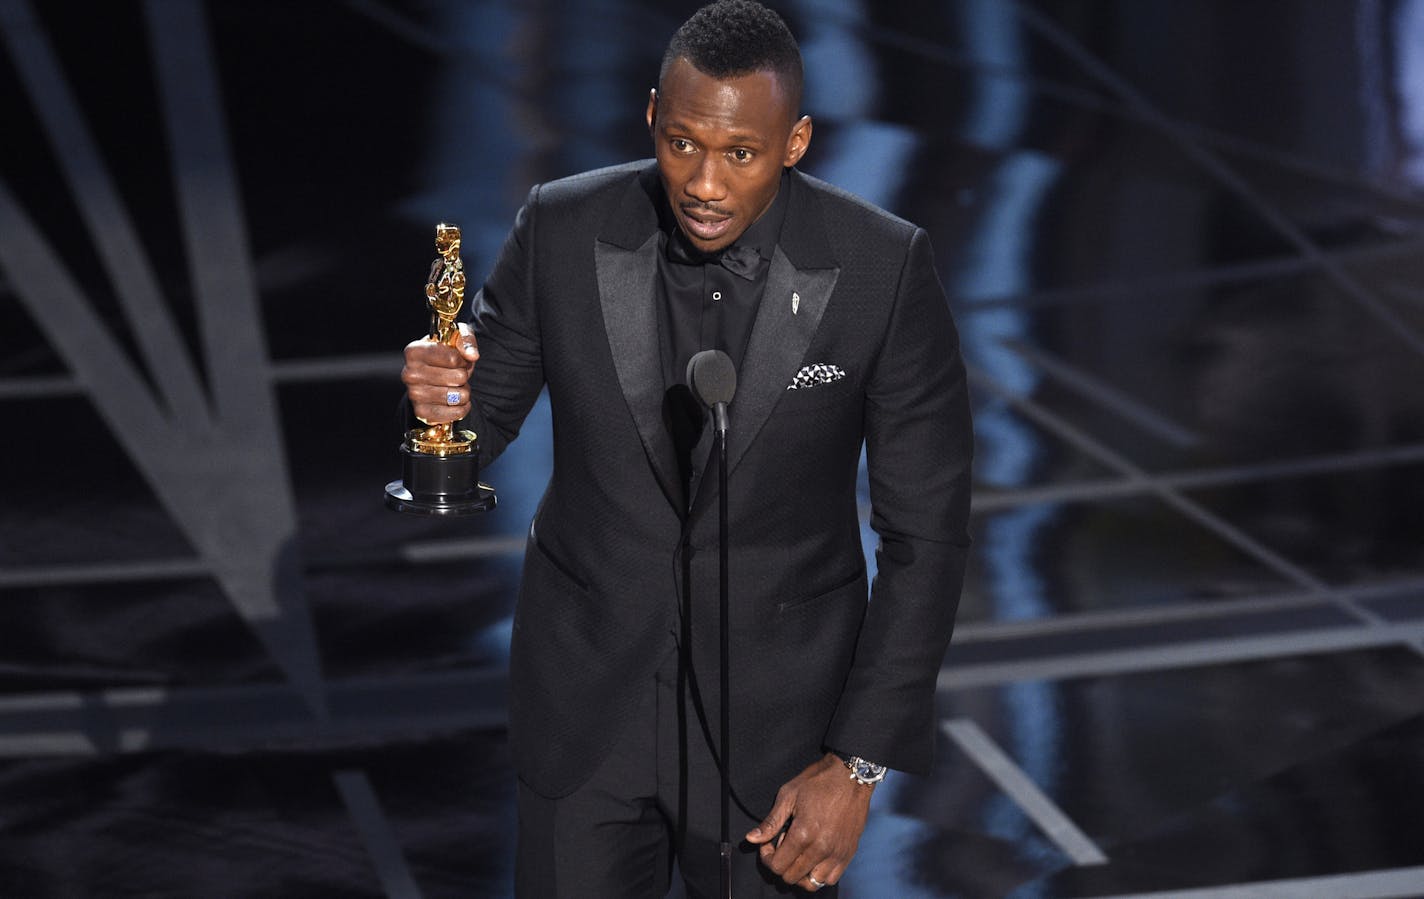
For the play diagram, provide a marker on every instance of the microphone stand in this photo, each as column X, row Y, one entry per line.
column 713, row 378
column 720, row 416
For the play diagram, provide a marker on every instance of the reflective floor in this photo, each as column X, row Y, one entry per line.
column 1184, row 243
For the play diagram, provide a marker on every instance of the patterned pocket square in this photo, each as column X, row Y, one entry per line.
column 817, row 373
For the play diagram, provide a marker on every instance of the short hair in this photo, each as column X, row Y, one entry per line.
column 738, row 37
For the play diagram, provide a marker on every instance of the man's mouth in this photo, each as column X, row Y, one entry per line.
column 704, row 225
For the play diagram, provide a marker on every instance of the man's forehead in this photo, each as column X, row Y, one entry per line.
column 753, row 97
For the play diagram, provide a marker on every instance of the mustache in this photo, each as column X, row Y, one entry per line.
column 706, row 209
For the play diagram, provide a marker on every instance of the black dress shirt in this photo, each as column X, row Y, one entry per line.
column 704, row 305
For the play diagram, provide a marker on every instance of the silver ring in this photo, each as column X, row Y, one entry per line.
column 814, row 882
column 452, row 398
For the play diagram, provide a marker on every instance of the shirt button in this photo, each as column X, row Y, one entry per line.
column 716, row 295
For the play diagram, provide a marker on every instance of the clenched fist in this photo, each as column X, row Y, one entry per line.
column 436, row 373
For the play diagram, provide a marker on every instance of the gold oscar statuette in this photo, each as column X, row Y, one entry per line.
column 441, row 463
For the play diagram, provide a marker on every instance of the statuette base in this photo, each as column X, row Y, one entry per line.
column 442, row 485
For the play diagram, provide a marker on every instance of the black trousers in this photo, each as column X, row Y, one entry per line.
column 656, row 799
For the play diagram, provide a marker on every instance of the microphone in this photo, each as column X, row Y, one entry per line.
column 713, row 378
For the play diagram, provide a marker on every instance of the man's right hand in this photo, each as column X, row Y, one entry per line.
column 434, row 370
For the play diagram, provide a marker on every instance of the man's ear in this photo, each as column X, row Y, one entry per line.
column 798, row 142
column 652, row 107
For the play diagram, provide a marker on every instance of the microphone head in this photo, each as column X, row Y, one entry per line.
column 712, row 377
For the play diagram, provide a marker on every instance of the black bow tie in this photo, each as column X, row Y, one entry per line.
column 740, row 261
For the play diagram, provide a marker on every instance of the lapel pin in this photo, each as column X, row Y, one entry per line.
column 795, row 302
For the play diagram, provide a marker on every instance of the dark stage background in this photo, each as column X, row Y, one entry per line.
column 1185, row 246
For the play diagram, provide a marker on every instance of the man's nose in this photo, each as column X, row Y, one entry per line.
column 706, row 184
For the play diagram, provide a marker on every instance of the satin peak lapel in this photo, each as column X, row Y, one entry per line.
column 627, row 288
column 787, row 319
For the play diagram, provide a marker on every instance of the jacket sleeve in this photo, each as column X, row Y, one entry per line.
column 509, row 373
column 919, row 446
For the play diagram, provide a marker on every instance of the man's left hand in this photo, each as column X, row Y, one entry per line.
column 827, row 812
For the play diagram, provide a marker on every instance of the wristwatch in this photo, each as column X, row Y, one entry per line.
column 862, row 771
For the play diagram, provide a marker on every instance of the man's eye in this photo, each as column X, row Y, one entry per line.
column 681, row 146
column 742, row 155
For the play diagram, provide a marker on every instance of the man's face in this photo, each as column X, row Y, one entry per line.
column 721, row 145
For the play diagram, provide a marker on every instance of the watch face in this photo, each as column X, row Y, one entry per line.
column 867, row 772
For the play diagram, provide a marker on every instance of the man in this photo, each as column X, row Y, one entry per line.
column 832, row 312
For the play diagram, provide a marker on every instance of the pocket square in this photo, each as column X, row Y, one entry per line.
column 817, row 373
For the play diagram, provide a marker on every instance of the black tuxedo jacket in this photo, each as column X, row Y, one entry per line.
column 571, row 303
